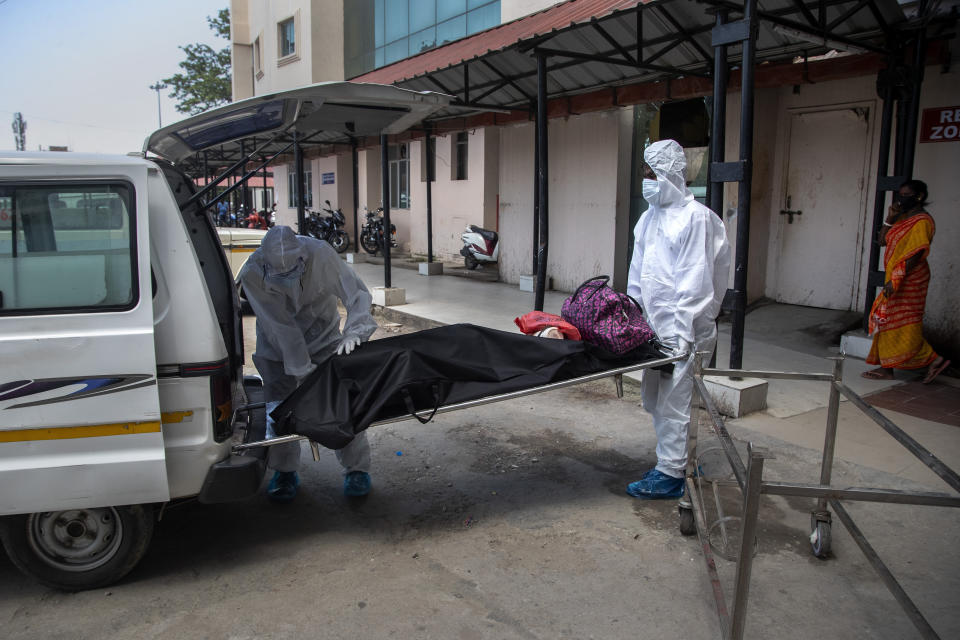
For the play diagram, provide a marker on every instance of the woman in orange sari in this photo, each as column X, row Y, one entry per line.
column 897, row 314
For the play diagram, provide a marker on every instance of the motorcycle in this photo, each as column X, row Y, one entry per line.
column 479, row 246
column 328, row 228
column 372, row 234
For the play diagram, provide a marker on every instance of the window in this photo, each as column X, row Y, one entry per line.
column 67, row 248
column 286, row 38
column 257, row 58
column 458, row 168
column 399, row 162
column 426, row 155
column 292, row 190
column 380, row 32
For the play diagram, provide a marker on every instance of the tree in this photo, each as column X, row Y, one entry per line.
column 205, row 81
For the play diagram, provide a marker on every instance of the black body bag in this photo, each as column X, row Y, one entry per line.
column 421, row 371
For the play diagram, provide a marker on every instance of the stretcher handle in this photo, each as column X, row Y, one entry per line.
column 408, row 400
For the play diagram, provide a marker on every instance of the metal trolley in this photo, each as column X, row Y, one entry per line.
column 748, row 479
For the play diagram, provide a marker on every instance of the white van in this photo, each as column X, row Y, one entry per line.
column 120, row 332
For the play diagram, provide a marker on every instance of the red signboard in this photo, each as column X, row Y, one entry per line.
column 941, row 124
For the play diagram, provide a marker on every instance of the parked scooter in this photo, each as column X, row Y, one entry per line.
column 372, row 235
column 328, row 228
column 479, row 246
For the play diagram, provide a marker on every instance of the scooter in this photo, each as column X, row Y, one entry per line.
column 479, row 246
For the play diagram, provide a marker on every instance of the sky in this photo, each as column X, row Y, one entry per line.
column 80, row 70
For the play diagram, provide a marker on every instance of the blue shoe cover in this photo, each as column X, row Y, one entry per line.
column 656, row 485
column 283, row 486
column 356, row 484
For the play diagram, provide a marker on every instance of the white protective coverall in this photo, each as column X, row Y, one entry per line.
column 293, row 283
column 679, row 273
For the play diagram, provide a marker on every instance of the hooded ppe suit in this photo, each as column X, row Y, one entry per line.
column 679, row 273
column 293, row 283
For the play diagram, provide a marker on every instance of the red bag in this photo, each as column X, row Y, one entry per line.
column 535, row 321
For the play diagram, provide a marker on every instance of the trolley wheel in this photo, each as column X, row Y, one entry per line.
column 820, row 537
column 688, row 525
column 470, row 262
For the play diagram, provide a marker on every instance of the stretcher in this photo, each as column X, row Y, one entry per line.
column 254, row 442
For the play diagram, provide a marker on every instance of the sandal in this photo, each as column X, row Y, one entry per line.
column 877, row 374
column 936, row 369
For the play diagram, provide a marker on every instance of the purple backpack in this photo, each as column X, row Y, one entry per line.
column 605, row 317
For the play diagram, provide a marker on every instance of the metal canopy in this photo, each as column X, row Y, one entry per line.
column 329, row 112
column 632, row 43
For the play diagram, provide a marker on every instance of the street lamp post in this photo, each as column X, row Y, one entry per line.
column 158, row 87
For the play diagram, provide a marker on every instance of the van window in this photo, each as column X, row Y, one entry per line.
column 67, row 248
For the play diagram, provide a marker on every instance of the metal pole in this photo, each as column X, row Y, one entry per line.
column 158, row 87
column 536, row 194
column 266, row 206
column 385, row 190
column 743, row 193
column 874, row 276
column 542, row 185
column 830, row 437
column 244, row 191
column 430, row 169
column 718, row 132
column 298, row 186
column 751, row 508
column 919, row 61
column 356, row 196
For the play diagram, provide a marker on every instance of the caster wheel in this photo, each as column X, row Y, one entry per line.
column 688, row 525
column 820, row 538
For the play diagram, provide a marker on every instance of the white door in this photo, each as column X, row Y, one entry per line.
column 821, row 242
column 79, row 409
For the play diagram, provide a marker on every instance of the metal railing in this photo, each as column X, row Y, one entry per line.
column 749, row 481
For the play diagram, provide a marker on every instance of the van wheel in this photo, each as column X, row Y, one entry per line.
column 78, row 549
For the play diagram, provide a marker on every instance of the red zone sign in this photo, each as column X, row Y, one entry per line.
column 941, row 124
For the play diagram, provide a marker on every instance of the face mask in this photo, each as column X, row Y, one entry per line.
column 651, row 191
column 905, row 202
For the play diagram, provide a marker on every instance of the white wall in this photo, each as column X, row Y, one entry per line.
column 584, row 154
column 456, row 203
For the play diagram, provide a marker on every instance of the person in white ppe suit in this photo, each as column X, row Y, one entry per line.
column 293, row 284
column 679, row 273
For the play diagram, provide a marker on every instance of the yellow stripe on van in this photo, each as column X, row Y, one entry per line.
column 173, row 417
column 90, row 431
column 242, row 249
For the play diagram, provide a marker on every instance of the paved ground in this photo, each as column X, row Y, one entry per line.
column 510, row 521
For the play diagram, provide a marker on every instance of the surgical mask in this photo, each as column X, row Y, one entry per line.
column 651, row 191
column 905, row 202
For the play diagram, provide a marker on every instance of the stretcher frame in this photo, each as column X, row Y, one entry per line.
column 616, row 374
column 749, row 480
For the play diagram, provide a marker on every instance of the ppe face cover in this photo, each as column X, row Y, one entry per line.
column 651, row 191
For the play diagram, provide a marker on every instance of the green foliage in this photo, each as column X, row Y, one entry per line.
column 205, row 80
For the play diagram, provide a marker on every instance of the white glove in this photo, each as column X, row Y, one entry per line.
column 347, row 345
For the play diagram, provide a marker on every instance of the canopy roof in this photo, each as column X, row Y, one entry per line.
column 606, row 43
column 324, row 113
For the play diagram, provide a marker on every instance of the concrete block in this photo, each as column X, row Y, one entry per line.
column 527, row 283
column 389, row 296
column 356, row 258
column 431, row 268
column 856, row 344
column 737, row 398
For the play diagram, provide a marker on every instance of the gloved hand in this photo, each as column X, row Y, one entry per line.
column 348, row 344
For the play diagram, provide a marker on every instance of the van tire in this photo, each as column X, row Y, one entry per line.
column 34, row 550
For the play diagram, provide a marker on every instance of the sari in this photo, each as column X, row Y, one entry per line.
column 896, row 321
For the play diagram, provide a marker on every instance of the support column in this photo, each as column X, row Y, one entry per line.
column 356, row 195
column 718, row 131
column 266, row 205
column 536, row 194
column 542, row 183
column 746, row 182
column 298, row 180
column 430, row 169
column 385, row 182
